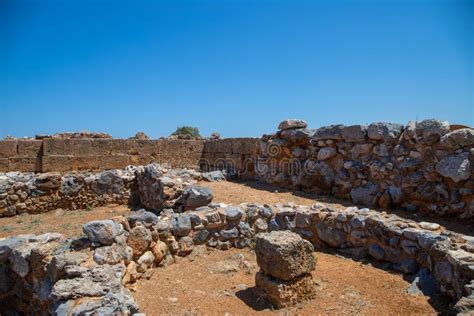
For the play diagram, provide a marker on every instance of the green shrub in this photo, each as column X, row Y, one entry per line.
column 187, row 131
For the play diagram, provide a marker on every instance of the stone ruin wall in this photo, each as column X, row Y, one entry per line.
column 422, row 167
column 48, row 274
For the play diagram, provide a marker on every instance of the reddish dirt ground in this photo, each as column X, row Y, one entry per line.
column 214, row 282
column 68, row 223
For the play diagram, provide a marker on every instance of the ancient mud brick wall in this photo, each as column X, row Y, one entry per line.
column 423, row 167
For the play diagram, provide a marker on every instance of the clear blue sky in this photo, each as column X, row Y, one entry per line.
column 236, row 67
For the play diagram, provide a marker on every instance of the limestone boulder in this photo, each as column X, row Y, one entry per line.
column 456, row 167
column 103, row 232
column 195, row 196
column 291, row 124
column 284, row 255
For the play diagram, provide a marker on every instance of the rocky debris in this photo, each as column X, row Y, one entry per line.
column 291, row 124
column 84, row 134
column 140, row 135
column 286, row 261
column 463, row 137
column 214, row 176
column 160, row 187
column 215, row 136
column 102, row 232
column 388, row 132
column 195, row 196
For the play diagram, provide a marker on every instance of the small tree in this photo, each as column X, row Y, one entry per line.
column 187, row 131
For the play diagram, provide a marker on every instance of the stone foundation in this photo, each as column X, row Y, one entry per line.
column 92, row 273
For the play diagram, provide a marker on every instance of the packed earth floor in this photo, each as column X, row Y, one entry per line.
column 212, row 282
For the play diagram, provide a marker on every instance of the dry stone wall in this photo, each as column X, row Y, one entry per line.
column 153, row 186
column 422, row 166
column 91, row 274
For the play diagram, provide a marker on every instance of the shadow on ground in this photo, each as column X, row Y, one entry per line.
column 251, row 297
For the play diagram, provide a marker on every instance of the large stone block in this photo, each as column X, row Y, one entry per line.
column 58, row 146
column 58, row 163
column 25, row 164
column 83, row 147
column 283, row 294
column 114, row 161
column 29, row 148
column 224, row 145
column 284, row 255
column 4, row 165
column 8, row 148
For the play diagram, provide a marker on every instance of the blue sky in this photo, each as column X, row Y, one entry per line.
column 236, row 67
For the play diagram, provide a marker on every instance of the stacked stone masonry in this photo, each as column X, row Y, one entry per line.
column 49, row 274
column 425, row 166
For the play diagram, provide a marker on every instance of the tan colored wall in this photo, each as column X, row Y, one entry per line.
column 20, row 155
column 56, row 154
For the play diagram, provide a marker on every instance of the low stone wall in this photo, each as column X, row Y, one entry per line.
column 38, row 193
column 422, row 167
column 91, row 274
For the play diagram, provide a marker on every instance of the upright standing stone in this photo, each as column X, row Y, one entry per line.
column 286, row 262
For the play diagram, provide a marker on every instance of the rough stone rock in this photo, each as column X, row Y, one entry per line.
column 233, row 213
column 148, row 219
column 431, row 130
column 103, row 232
column 296, row 136
column 48, row 181
column 159, row 250
column 365, row 195
column 230, row 233
column 283, row 294
column 423, row 284
column 354, row 133
column 89, row 282
column 333, row 132
column 332, row 236
column 195, row 196
column 186, row 246
column 387, row 132
column 292, row 124
column 108, row 182
column 284, row 255
column 110, row 304
column 376, row 251
column 326, row 153
column 181, row 225
column 139, row 240
column 150, row 187
column 71, row 185
column 109, row 254
column 214, row 176
column 361, row 150
column 459, row 138
column 456, row 167
column 145, row 261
